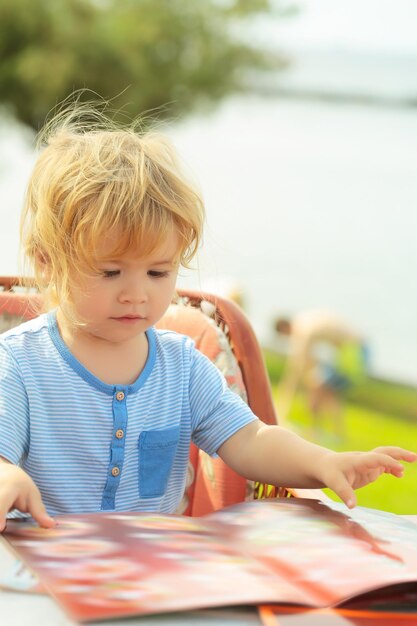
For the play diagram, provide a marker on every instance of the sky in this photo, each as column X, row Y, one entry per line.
column 352, row 145
column 377, row 25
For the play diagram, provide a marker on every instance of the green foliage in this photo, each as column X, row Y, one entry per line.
column 275, row 364
column 387, row 397
column 154, row 54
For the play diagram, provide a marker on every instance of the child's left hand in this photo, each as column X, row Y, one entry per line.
column 343, row 472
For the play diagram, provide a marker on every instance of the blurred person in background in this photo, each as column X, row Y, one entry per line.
column 326, row 357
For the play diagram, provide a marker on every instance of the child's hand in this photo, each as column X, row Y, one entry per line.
column 17, row 490
column 345, row 471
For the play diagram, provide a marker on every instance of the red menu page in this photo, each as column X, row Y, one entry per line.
column 288, row 551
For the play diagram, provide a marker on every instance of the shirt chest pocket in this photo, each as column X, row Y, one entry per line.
column 157, row 450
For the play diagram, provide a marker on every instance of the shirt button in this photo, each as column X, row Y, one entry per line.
column 120, row 433
column 115, row 471
column 120, row 396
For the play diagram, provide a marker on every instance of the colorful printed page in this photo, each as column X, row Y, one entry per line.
column 288, row 551
column 329, row 553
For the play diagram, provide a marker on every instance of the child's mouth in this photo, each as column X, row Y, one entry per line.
column 128, row 319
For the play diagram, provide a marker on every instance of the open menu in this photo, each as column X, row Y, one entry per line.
column 289, row 551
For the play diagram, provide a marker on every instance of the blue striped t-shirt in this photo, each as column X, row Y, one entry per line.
column 90, row 446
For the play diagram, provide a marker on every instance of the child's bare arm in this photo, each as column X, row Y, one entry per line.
column 17, row 490
column 277, row 456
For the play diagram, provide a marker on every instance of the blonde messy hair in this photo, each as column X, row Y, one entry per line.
column 94, row 178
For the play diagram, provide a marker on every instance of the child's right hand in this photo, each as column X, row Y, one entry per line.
column 17, row 490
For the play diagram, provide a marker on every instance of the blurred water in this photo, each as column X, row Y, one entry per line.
column 309, row 204
column 314, row 205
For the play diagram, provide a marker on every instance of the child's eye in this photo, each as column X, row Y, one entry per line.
column 110, row 273
column 156, row 274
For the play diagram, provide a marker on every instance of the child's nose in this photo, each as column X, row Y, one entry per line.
column 134, row 292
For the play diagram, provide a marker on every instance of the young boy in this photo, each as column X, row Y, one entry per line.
column 97, row 408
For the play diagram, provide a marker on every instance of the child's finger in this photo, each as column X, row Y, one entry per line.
column 400, row 454
column 378, row 460
column 37, row 509
column 6, row 503
column 343, row 489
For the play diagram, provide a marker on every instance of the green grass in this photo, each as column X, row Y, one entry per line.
column 367, row 428
column 387, row 397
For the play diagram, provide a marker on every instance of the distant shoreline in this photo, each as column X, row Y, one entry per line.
column 340, row 96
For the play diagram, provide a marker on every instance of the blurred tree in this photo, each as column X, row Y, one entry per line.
column 172, row 54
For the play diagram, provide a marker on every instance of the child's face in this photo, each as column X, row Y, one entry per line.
column 129, row 295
